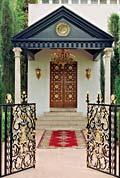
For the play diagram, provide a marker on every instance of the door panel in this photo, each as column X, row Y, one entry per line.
column 63, row 85
column 56, row 86
column 70, row 85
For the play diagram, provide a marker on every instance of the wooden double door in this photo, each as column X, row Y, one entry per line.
column 63, row 85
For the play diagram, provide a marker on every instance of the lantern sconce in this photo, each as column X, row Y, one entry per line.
column 88, row 73
column 38, row 73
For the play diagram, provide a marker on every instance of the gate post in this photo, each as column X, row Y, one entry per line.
column 17, row 52
column 108, row 52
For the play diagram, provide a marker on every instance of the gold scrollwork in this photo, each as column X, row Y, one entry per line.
column 23, row 134
column 98, row 136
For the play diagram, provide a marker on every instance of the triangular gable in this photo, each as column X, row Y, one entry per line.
column 82, row 34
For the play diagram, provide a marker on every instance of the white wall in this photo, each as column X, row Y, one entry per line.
column 96, row 14
column 84, row 85
column 39, row 90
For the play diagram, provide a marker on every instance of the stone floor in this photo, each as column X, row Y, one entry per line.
column 60, row 163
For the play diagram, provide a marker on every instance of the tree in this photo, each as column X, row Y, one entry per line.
column 13, row 19
column 7, row 74
column 114, row 28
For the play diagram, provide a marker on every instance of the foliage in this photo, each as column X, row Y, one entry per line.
column 7, row 77
column 33, row 1
column 13, row 19
column 1, row 60
column 114, row 69
column 8, row 118
column 114, row 28
column 117, row 89
column 113, row 25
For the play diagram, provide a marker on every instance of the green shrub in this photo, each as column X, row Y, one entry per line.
column 117, row 89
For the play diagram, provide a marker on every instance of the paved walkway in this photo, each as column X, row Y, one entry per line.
column 60, row 163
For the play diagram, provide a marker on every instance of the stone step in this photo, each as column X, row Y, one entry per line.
column 70, row 122
column 60, row 128
column 65, row 114
column 61, row 124
column 66, row 118
column 76, row 127
column 63, row 109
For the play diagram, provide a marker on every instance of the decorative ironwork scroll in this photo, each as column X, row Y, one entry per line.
column 101, row 136
column 23, row 137
column 17, row 141
column 98, row 137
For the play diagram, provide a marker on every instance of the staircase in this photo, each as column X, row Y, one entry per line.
column 61, row 120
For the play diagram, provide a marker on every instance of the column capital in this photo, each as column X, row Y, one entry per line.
column 17, row 51
column 108, row 53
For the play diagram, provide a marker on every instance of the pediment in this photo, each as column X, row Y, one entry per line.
column 51, row 32
column 44, row 30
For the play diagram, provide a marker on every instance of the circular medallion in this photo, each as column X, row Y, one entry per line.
column 70, row 67
column 56, row 86
column 56, row 67
column 56, row 95
column 62, row 29
column 70, row 95
column 70, row 86
column 56, row 76
column 70, row 76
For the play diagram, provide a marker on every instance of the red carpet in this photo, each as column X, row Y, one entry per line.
column 62, row 139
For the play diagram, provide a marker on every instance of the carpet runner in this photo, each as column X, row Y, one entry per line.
column 62, row 139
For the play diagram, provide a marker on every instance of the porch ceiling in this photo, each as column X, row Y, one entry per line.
column 82, row 35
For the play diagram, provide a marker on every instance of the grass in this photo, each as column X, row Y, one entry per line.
column 117, row 124
column 3, row 123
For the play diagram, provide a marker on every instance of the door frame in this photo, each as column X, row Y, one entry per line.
column 63, row 108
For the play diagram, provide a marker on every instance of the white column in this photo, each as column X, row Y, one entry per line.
column 118, row 2
column 98, row 2
column 89, row 1
column 69, row 1
column 50, row 2
column 108, row 52
column 17, row 52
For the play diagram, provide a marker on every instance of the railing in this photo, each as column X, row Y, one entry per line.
column 17, row 137
column 103, row 135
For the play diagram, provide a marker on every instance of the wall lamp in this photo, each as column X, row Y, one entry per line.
column 38, row 73
column 88, row 73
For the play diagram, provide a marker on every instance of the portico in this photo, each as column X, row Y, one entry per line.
column 58, row 86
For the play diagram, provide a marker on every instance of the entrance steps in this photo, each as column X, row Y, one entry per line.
column 61, row 120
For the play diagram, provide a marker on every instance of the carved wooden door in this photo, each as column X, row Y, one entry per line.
column 63, row 85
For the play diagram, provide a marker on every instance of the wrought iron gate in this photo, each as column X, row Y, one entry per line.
column 103, row 146
column 17, row 137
